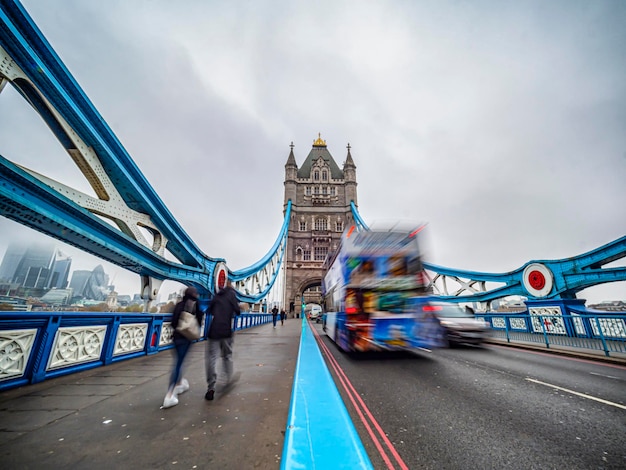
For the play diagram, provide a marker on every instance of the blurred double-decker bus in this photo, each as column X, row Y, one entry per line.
column 375, row 293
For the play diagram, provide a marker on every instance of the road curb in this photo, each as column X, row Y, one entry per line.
column 562, row 350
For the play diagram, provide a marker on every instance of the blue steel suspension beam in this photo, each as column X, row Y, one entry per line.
column 50, row 88
column 25, row 200
column 542, row 279
column 360, row 224
column 255, row 282
column 535, row 279
column 124, row 196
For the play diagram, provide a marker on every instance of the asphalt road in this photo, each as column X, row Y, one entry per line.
column 486, row 408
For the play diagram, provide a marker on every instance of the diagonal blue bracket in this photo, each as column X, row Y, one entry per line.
column 358, row 220
column 27, row 201
column 580, row 272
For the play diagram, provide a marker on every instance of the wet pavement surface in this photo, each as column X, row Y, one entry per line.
column 111, row 416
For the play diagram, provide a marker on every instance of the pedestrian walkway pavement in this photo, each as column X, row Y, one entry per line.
column 111, row 417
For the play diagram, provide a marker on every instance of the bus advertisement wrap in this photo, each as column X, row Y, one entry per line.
column 375, row 294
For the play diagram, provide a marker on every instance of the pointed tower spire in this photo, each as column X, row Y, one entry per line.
column 349, row 163
column 349, row 172
column 291, row 160
column 291, row 176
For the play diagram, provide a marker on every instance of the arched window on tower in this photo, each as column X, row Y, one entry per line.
column 324, row 175
column 316, row 175
column 302, row 226
column 307, row 191
column 298, row 254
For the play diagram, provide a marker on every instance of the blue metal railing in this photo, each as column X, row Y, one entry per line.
column 35, row 346
column 606, row 333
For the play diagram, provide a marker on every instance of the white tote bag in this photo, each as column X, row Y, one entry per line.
column 188, row 324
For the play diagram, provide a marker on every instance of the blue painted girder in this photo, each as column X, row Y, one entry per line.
column 29, row 201
column 360, row 224
column 26, row 200
column 571, row 275
column 272, row 260
column 30, row 50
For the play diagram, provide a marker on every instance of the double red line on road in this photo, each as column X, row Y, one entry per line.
column 362, row 410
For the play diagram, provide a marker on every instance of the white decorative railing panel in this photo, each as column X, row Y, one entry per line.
column 167, row 334
column 75, row 345
column 15, row 349
column 130, row 337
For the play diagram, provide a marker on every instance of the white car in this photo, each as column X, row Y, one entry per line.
column 315, row 313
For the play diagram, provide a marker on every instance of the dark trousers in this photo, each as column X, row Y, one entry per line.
column 182, row 347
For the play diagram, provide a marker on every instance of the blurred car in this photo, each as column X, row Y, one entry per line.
column 460, row 324
column 314, row 312
column 315, row 315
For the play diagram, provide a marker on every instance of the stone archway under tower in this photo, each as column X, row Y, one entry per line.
column 308, row 291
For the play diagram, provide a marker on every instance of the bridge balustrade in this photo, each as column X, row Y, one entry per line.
column 563, row 323
column 35, row 346
column 249, row 320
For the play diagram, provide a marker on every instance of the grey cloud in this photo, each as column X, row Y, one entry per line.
column 501, row 124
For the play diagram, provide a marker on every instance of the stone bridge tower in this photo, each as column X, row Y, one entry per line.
column 320, row 193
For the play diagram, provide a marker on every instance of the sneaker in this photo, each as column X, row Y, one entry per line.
column 182, row 388
column 209, row 395
column 170, row 400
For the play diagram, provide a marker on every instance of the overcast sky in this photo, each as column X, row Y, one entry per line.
column 500, row 123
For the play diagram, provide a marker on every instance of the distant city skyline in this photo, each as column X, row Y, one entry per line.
column 124, row 282
column 128, row 283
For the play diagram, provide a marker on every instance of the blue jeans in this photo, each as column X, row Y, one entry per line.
column 215, row 348
column 182, row 347
column 274, row 319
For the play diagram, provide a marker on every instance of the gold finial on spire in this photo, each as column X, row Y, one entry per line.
column 319, row 142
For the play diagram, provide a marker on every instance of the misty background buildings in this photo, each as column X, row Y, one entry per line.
column 43, row 272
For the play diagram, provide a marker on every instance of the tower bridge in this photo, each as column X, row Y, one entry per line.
column 320, row 202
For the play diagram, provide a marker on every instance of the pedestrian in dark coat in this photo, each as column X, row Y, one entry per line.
column 222, row 310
